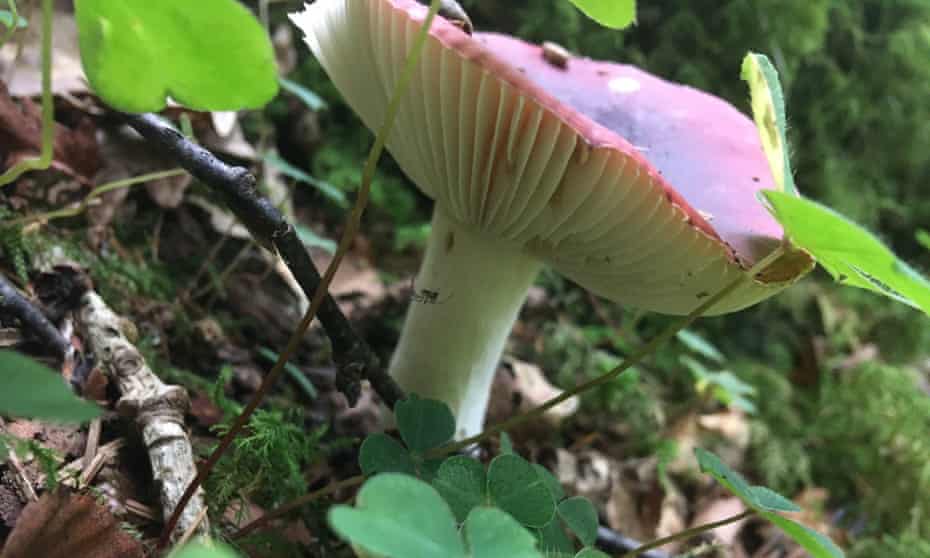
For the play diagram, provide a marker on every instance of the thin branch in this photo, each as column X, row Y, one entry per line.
column 32, row 319
column 236, row 186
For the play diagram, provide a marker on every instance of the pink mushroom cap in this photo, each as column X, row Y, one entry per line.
column 641, row 190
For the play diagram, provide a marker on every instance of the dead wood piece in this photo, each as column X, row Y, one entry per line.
column 158, row 408
column 79, row 474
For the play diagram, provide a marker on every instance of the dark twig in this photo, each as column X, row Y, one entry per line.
column 32, row 319
column 236, row 186
column 613, row 542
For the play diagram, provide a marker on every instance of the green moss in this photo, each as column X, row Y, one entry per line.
column 862, row 435
column 870, row 432
column 908, row 545
column 265, row 464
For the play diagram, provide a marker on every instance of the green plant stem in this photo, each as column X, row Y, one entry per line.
column 95, row 193
column 687, row 534
column 630, row 361
column 297, row 504
column 348, row 235
column 14, row 23
column 44, row 160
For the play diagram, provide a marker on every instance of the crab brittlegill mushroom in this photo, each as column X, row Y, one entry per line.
column 640, row 190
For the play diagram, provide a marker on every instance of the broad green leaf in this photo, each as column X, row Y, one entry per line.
column 552, row 483
column 852, row 255
column 701, row 346
column 313, row 101
column 506, row 444
column 553, row 540
column 766, row 501
column 325, row 188
column 492, row 533
column 382, row 454
column 730, row 479
column 424, row 424
column 203, row 550
column 818, row 545
column 207, row 55
column 34, row 391
column 615, row 14
column 399, row 516
column 770, row 500
column 579, row 514
column 591, row 553
column 768, row 110
column 6, row 19
column 516, row 487
column 427, row 469
column 462, row 482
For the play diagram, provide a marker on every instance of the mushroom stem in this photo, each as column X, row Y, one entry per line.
column 466, row 299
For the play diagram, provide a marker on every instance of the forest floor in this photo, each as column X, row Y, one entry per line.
column 209, row 309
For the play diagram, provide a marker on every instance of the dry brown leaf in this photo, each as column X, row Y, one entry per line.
column 520, row 386
column 67, row 525
column 356, row 285
column 66, row 440
column 222, row 221
column 622, row 508
column 203, row 409
column 126, row 156
column 232, row 143
column 732, row 425
column 11, row 505
column 672, row 518
column 718, row 509
column 75, row 149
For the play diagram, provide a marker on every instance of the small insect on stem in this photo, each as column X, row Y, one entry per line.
column 426, row 296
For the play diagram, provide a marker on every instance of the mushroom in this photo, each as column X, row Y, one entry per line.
column 638, row 189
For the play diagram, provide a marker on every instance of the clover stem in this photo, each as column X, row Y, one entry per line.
column 687, row 533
